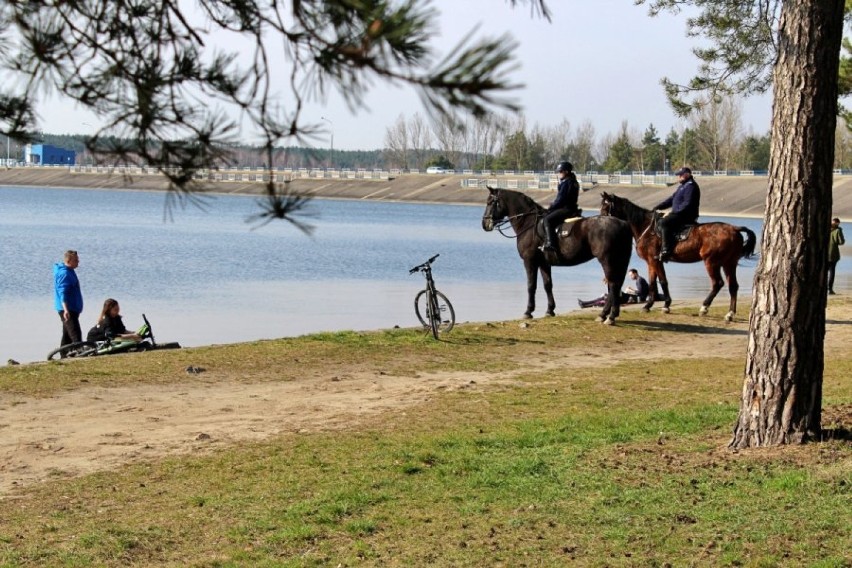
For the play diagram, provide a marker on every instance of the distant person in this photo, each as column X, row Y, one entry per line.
column 597, row 302
column 684, row 203
column 67, row 297
column 639, row 293
column 565, row 204
column 835, row 241
column 110, row 324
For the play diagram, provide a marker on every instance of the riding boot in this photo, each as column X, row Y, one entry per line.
column 666, row 248
column 548, row 241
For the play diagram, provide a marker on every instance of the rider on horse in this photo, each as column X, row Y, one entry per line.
column 565, row 204
column 684, row 203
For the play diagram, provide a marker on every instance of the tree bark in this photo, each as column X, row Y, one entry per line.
column 782, row 389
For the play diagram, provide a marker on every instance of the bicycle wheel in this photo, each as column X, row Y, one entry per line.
column 74, row 350
column 445, row 315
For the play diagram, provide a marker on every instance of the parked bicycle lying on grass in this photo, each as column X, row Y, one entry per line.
column 142, row 341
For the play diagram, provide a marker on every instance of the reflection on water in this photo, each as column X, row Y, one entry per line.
column 207, row 278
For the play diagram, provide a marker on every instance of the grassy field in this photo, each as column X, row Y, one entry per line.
column 620, row 461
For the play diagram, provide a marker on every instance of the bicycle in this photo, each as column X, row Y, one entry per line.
column 433, row 309
column 111, row 346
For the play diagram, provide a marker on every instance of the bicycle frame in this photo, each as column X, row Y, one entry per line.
column 432, row 308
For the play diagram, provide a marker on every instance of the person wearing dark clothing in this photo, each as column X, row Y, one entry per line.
column 835, row 240
column 639, row 293
column 110, row 324
column 629, row 295
column 684, row 203
column 67, row 297
column 565, row 204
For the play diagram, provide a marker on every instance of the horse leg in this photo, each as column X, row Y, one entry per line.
column 532, row 284
column 715, row 273
column 664, row 284
column 547, row 281
column 733, row 288
column 656, row 273
column 612, row 307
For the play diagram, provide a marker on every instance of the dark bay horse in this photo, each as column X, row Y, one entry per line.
column 719, row 245
column 605, row 238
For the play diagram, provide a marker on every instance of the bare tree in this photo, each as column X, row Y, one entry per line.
column 449, row 137
column 421, row 140
column 604, row 147
column 490, row 133
column 397, row 144
column 718, row 121
column 558, row 144
column 584, row 143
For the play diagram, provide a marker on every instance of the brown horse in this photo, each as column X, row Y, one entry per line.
column 719, row 245
column 605, row 238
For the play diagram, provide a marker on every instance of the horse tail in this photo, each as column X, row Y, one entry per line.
column 750, row 244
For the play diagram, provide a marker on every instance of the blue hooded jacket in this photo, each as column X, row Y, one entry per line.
column 66, row 287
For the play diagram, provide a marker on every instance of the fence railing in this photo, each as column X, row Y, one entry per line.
column 468, row 178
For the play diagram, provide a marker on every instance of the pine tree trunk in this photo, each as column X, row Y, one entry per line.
column 782, row 390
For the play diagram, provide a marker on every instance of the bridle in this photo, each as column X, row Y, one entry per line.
column 501, row 224
column 609, row 204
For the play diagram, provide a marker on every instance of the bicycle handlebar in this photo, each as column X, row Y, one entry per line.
column 426, row 264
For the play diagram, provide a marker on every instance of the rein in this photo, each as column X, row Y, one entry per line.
column 648, row 228
column 500, row 225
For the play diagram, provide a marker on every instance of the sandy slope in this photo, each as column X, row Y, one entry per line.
column 93, row 429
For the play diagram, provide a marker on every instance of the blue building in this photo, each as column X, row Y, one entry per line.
column 45, row 154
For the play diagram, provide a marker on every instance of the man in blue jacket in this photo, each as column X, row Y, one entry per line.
column 684, row 203
column 67, row 297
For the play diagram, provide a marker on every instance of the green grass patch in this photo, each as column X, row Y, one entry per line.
column 613, row 465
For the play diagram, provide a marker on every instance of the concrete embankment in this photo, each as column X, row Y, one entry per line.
column 732, row 196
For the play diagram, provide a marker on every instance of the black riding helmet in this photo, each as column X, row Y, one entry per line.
column 564, row 167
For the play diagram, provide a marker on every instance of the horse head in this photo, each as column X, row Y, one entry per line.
column 606, row 204
column 495, row 209
column 624, row 209
column 612, row 206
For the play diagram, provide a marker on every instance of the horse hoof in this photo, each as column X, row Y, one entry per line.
column 703, row 311
column 609, row 321
column 599, row 319
column 729, row 317
column 666, row 310
column 646, row 310
column 527, row 316
column 550, row 314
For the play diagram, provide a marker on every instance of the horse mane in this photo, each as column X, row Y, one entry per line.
column 636, row 214
column 526, row 199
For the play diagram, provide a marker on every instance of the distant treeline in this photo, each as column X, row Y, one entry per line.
column 250, row 156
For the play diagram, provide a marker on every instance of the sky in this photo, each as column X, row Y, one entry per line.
column 597, row 60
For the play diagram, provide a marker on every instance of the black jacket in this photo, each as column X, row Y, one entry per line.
column 109, row 326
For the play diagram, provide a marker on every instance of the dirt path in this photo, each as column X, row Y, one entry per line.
column 94, row 429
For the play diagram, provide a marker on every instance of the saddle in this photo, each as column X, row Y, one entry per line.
column 680, row 235
column 563, row 230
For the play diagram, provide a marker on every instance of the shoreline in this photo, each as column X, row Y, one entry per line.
column 732, row 196
column 721, row 197
column 215, row 192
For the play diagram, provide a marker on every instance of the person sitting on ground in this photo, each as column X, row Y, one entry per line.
column 597, row 302
column 109, row 325
column 631, row 295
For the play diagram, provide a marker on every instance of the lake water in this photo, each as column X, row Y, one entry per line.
column 207, row 277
